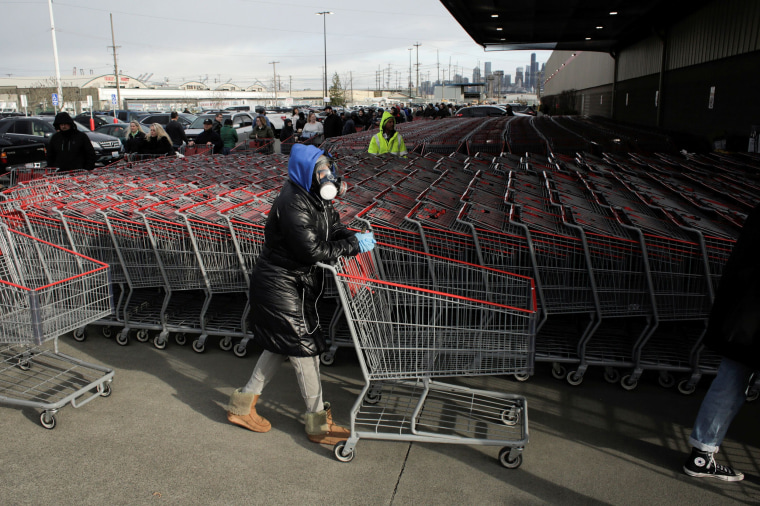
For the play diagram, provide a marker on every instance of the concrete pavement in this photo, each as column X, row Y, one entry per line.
column 162, row 438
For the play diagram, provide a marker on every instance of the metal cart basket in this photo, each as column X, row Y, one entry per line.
column 406, row 335
column 46, row 291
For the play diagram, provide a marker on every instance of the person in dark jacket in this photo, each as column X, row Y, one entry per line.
column 286, row 136
column 301, row 122
column 135, row 138
column 349, row 127
column 302, row 229
column 158, row 142
column 69, row 149
column 332, row 124
column 229, row 137
column 176, row 131
column 209, row 137
column 218, row 123
column 264, row 134
column 733, row 331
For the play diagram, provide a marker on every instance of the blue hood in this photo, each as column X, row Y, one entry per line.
column 303, row 157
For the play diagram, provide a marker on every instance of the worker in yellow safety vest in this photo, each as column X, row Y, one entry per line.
column 387, row 140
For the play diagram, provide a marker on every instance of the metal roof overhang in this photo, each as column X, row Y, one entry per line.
column 584, row 25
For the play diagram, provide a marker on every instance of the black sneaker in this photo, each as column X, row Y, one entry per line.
column 702, row 465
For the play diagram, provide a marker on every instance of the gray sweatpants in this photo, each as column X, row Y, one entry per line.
column 307, row 374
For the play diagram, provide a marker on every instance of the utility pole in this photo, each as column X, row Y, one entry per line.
column 274, row 83
column 115, row 66
column 438, row 65
column 55, row 55
column 417, row 45
column 410, row 74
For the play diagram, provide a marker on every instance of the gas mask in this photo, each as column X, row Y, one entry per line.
column 330, row 186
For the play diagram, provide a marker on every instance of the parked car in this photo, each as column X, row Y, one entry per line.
column 40, row 129
column 17, row 152
column 127, row 116
column 120, row 130
column 163, row 118
column 480, row 111
column 99, row 119
column 242, row 122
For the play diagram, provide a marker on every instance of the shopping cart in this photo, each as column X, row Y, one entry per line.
column 405, row 336
column 48, row 291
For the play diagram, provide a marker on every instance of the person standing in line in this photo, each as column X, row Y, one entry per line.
column 69, row 149
column 733, row 330
column 135, row 138
column 208, row 137
column 158, row 142
column 387, row 140
column 218, row 123
column 176, row 131
column 313, row 128
column 300, row 123
column 332, row 124
column 349, row 127
column 263, row 133
column 229, row 137
column 303, row 228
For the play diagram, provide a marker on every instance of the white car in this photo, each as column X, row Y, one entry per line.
column 242, row 122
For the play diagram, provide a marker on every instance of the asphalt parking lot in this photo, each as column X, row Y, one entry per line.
column 162, row 438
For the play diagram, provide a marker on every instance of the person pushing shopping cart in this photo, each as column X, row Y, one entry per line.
column 302, row 229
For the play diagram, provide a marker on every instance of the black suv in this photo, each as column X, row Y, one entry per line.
column 40, row 129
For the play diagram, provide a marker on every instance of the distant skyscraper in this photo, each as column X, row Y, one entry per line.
column 519, row 79
column 498, row 82
column 488, row 69
column 507, row 80
column 533, row 70
column 476, row 78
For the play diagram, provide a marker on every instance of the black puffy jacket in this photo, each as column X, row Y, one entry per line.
column 301, row 230
column 733, row 329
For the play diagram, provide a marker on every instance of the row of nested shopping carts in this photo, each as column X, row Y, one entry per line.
column 181, row 253
column 45, row 292
column 625, row 261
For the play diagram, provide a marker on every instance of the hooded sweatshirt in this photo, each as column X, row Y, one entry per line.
column 70, row 150
column 384, row 143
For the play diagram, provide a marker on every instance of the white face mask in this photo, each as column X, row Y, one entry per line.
column 330, row 186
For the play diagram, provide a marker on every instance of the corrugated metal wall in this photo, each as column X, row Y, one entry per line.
column 720, row 30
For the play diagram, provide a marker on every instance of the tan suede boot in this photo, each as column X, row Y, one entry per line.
column 242, row 412
column 321, row 429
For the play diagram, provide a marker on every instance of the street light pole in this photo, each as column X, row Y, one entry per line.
column 324, row 25
column 410, row 74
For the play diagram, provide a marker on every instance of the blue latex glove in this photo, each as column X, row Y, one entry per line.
column 366, row 241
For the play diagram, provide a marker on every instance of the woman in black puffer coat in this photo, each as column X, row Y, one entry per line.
column 302, row 229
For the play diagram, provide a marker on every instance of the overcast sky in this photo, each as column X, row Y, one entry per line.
column 235, row 40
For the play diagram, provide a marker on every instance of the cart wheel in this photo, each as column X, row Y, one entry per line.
column 123, row 337
column 24, row 364
column 104, row 389
column 559, row 372
column 574, row 378
column 611, row 376
column 79, row 335
column 509, row 416
column 343, row 457
column 47, row 420
column 506, row 462
column 240, row 350
column 685, row 388
column 198, row 346
column 666, row 380
column 180, row 338
column 226, row 343
column 522, row 376
column 327, row 358
column 106, row 331
column 627, row 383
column 159, row 341
column 373, row 397
column 142, row 336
